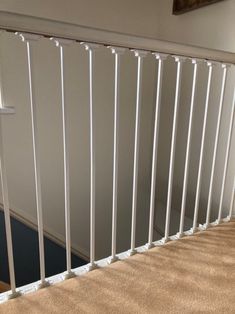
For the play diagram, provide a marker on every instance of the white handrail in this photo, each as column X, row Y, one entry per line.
column 52, row 28
column 145, row 45
column 65, row 33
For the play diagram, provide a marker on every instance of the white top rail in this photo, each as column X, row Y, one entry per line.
column 52, row 28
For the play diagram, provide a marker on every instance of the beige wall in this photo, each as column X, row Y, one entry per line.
column 123, row 16
column 152, row 19
column 211, row 26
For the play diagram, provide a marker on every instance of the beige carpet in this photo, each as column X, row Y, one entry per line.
column 192, row 275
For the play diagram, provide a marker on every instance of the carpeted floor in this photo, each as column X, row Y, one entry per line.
column 192, row 275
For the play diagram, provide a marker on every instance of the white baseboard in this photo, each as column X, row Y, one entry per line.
column 49, row 233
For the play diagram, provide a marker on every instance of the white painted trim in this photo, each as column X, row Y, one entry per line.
column 101, row 263
column 52, row 28
column 49, row 233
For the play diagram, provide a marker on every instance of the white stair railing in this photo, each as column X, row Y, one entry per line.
column 117, row 51
column 29, row 39
column 140, row 55
column 90, row 47
column 4, row 187
column 160, row 58
column 199, row 177
column 224, row 66
column 226, row 160
column 188, row 147
column 61, row 44
column 118, row 44
column 179, row 61
column 230, row 215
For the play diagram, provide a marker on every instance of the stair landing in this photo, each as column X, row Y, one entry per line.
column 193, row 275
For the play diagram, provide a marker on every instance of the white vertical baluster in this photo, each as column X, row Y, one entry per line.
column 199, row 177
column 61, row 43
column 231, row 215
column 140, row 55
column 4, row 187
column 117, row 51
column 188, row 148
column 231, row 124
column 6, row 209
column 160, row 57
column 225, row 68
column 91, row 47
column 179, row 61
column 29, row 39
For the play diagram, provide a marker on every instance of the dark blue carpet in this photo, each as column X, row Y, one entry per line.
column 26, row 254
